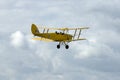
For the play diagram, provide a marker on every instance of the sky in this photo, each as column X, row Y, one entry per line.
column 96, row 58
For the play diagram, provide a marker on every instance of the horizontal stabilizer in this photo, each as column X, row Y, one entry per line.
column 43, row 39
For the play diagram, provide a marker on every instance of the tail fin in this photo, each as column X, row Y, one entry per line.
column 34, row 29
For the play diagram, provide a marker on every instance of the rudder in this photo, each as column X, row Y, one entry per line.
column 34, row 29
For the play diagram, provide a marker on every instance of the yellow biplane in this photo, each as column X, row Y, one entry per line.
column 60, row 35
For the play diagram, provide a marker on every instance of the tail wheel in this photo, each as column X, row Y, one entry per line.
column 58, row 46
column 66, row 46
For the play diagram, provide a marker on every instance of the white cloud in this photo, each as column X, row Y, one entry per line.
column 17, row 39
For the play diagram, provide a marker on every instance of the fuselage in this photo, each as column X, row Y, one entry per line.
column 60, row 37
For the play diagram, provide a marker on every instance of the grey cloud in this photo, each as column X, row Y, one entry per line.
column 97, row 58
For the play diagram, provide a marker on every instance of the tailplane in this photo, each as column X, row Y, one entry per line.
column 34, row 29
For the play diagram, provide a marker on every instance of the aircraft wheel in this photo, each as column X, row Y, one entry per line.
column 58, row 46
column 67, row 46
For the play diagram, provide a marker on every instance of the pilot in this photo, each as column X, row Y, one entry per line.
column 56, row 32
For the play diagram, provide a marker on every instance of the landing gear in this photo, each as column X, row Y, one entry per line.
column 66, row 46
column 58, row 46
column 62, row 43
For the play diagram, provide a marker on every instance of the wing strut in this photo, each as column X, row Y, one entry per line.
column 44, row 30
column 75, row 33
column 79, row 33
column 47, row 30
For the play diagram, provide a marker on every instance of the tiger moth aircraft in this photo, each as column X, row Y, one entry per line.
column 60, row 35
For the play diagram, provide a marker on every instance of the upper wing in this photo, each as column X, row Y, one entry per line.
column 63, row 29
column 77, row 28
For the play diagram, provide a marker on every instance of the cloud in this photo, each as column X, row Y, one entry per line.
column 17, row 39
column 24, row 59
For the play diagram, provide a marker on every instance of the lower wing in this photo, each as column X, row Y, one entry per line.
column 79, row 39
